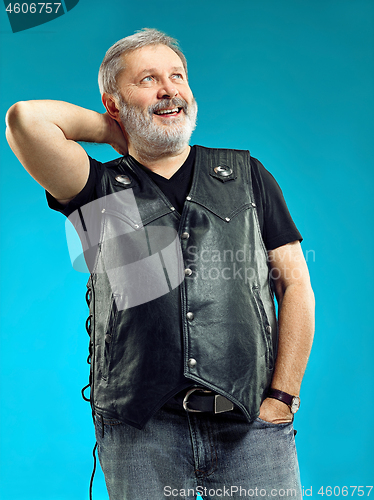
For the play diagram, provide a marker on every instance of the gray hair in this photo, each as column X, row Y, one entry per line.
column 113, row 64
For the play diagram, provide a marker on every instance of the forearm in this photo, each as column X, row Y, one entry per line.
column 74, row 122
column 296, row 330
column 296, row 327
column 44, row 136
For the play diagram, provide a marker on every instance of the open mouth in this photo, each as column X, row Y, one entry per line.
column 169, row 112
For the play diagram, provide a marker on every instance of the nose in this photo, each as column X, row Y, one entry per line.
column 167, row 91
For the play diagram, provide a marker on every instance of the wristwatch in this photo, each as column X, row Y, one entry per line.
column 293, row 402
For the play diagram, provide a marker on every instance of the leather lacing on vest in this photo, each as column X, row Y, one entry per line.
column 89, row 358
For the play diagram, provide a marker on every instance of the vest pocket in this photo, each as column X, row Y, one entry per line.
column 109, row 338
column 227, row 211
column 265, row 325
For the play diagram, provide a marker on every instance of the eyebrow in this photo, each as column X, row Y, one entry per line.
column 154, row 70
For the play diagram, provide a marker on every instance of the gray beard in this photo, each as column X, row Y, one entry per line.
column 152, row 141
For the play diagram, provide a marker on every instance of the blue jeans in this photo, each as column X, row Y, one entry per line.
column 179, row 455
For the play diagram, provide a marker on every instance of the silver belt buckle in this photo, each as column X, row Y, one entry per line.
column 188, row 394
column 221, row 404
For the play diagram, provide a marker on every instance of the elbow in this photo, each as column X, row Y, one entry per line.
column 306, row 301
column 301, row 291
column 15, row 114
column 310, row 299
column 19, row 120
column 305, row 290
column 308, row 291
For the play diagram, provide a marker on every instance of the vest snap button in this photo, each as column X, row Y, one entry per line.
column 187, row 272
column 108, row 338
column 223, row 170
column 190, row 316
column 123, row 179
column 268, row 329
column 192, row 362
column 185, row 236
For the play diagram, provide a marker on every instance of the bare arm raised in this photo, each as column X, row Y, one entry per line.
column 43, row 135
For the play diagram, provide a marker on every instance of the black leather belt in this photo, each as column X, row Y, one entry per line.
column 199, row 399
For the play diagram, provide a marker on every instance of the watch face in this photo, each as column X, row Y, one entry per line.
column 295, row 405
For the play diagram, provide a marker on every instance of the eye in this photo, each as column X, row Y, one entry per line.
column 147, row 79
column 177, row 76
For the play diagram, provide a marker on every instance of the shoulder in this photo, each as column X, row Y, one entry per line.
column 93, row 189
column 222, row 154
column 263, row 177
column 278, row 225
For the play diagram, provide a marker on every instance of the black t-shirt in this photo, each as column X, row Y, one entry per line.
column 277, row 226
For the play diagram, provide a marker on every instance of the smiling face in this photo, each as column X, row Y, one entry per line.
column 157, row 108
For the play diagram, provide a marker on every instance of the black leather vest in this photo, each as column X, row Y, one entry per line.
column 217, row 328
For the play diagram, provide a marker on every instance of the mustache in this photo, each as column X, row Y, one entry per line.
column 166, row 103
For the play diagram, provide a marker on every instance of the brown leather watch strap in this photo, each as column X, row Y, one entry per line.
column 293, row 402
column 280, row 395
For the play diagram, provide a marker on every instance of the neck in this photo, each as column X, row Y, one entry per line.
column 164, row 165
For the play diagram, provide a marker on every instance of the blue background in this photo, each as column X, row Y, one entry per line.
column 291, row 81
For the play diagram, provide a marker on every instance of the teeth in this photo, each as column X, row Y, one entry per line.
column 167, row 111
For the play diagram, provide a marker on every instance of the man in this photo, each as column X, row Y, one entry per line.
column 193, row 389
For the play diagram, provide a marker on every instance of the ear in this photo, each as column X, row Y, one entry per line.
column 111, row 105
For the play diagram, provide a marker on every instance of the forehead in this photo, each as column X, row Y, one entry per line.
column 158, row 57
